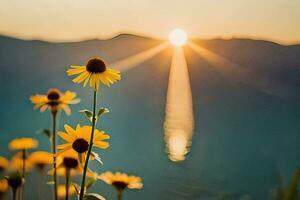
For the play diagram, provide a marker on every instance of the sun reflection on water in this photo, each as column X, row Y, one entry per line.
column 179, row 119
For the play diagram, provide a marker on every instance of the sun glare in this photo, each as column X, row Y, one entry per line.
column 178, row 37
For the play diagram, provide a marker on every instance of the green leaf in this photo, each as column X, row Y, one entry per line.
column 93, row 196
column 90, row 183
column 97, row 157
column 87, row 113
column 45, row 132
column 77, row 188
column 102, row 111
column 292, row 190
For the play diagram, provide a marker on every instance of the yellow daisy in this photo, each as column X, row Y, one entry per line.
column 16, row 162
column 121, row 181
column 78, row 140
column 3, row 163
column 95, row 71
column 69, row 160
column 40, row 159
column 3, row 186
column 23, row 144
column 61, row 171
column 55, row 100
column 61, row 191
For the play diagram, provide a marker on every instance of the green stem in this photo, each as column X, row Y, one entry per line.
column 18, row 194
column 119, row 194
column 67, row 182
column 90, row 147
column 14, row 195
column 23, row 164
column 54, row 114
column 22, row 191
column 40, row 183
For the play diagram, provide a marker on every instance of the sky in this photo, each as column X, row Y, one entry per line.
column 74, row 20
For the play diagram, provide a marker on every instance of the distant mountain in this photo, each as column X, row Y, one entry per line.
column 244, row 137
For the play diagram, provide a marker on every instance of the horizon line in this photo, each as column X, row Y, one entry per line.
column 149, row 36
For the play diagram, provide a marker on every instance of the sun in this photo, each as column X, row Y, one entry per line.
column 178, row 37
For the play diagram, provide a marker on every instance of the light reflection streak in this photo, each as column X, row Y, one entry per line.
column 133, row 61
column 179, row 117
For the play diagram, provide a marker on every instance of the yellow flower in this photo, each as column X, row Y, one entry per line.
column 61, row 171
column 40, row 159
column 23, row 143
column 16, row 162
column 61, row 191
column 3, row 163
column 94, row 71
column 69, row 159
column 121, row 181
column 78, row 140
column 3, row 185
column 55, row 100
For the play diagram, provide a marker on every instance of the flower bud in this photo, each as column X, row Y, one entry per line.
column 15, row 180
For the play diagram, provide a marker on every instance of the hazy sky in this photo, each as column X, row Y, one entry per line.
column 277, row 20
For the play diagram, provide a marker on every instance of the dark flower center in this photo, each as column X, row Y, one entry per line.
column 80, row 145
column 15, row 180
column 120, row 185
column 96, row 65
column 53, row 94
column 41, row 165
column 70, row 162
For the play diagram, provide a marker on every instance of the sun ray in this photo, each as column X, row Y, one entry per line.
column 179, row 117
column 239, row 73
column 133, row 61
